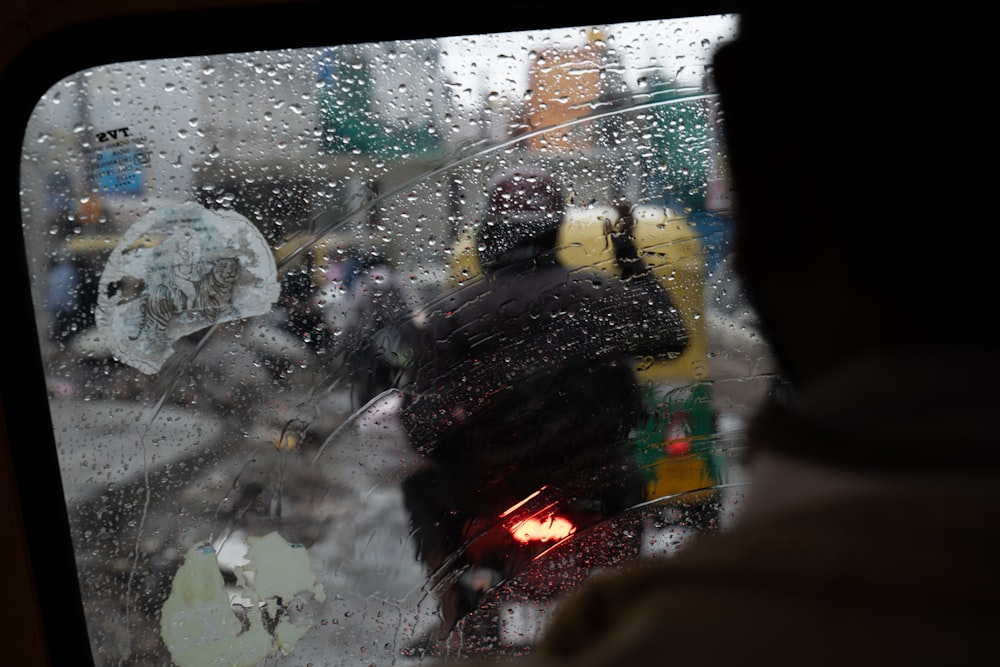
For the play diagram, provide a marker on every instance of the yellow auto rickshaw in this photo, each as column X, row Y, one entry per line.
column 675, row 444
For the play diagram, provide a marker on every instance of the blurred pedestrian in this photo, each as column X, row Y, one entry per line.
column 867, row 537
column 377, row 351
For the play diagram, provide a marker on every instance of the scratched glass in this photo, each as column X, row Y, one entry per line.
column 241, row 260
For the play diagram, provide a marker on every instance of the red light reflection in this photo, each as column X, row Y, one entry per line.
column 548, row 529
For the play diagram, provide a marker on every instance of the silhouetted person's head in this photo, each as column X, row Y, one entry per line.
column 850, row 155
column 524, row 211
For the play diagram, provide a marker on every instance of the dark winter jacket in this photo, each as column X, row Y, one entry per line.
column 534, row 361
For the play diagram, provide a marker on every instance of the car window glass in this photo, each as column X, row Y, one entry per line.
column 306, row 411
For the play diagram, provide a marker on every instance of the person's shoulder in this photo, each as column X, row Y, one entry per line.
column 787, row 583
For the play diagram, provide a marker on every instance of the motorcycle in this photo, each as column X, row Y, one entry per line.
column 500, row 558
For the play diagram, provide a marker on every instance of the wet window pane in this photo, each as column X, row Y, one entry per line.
column 369, row 353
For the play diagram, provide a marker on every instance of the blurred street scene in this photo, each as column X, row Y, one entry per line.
column 198, row 412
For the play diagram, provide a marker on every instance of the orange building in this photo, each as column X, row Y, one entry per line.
column 566, row 84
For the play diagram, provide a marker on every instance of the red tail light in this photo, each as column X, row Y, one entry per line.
column 548, row 529
column 678, row 447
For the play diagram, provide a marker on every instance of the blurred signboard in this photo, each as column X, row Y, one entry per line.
column 564, row 85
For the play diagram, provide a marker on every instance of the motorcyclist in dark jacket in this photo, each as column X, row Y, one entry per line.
column 523, row 378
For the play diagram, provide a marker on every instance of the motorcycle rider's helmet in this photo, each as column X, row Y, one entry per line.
column 524, row 210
